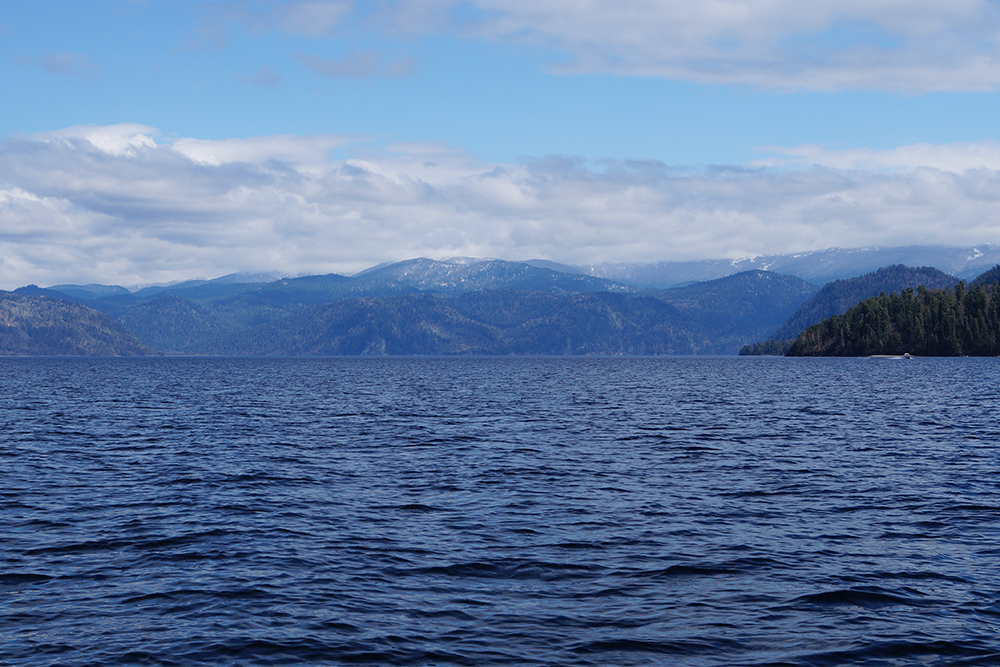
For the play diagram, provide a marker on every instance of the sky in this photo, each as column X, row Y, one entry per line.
column 148, row 141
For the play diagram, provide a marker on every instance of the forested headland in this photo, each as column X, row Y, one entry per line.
column 964, row 321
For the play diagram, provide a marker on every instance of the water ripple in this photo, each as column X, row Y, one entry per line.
column 691, row 512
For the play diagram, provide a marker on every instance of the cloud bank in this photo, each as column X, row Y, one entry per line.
column 899, row 45
column 121, row 205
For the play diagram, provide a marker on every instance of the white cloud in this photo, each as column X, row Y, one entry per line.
column 303, row 152
column 901, row 45
column 121, row 139
column 118, row 205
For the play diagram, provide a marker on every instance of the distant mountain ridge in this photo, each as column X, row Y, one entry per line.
column 818, row 267
column 463, row 273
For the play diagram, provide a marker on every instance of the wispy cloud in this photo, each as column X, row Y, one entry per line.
column 358, row 65
column 209, row 35
column 265, row 77
column 900, row 45
column 309, row 18
column 910, row 46
column 119, row 204
column 314, row 18
column 68, row 64
column 953, row 157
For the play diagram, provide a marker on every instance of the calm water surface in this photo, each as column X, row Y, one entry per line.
column 567, row 511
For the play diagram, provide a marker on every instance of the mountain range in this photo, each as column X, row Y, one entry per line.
column 471, row 306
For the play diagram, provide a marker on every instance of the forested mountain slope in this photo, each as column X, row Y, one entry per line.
column 838, row 296
column 33, row 325
column 956, row 322
column 742, row 306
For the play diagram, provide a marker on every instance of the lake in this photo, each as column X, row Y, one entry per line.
column 500, row 511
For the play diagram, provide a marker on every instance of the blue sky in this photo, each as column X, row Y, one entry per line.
column 154, row 140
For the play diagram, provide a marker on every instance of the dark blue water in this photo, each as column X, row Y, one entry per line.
column 650, row 511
